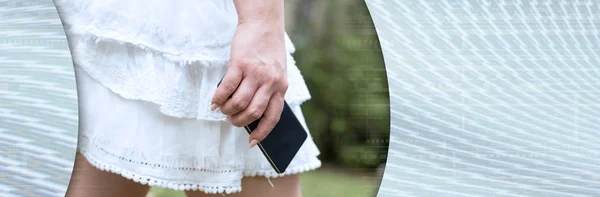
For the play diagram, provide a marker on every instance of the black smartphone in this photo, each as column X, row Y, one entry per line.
column 283, row 142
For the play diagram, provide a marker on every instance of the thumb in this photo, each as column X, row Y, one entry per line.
column 256, row 137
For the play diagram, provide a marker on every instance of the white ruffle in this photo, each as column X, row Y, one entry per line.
column 207, row 186
column 171, row 54
column 182, row 89
column 187, row 30
column 133, row 139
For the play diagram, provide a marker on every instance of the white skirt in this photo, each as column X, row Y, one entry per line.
column 146, row 72
column 134, row 139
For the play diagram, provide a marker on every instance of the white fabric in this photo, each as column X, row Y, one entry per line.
column 146, row 71
column 134, row 139
column 183, row 29
column 171, row 54
column 182, row 89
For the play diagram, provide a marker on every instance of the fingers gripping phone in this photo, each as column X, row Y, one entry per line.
column 283, row 142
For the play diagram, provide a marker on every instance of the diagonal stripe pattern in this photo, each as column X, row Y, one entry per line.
column 491, row 98
column 38, row 101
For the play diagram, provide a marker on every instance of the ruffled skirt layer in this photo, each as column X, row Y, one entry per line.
column 134, row 139
column 145, row 79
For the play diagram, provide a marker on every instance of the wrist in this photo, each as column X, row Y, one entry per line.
column 269, row 13
column 268, row 24
column 264, row 28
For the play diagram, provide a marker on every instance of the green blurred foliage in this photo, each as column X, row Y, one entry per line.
column 340, row 58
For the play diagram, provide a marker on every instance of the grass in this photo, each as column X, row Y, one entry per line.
column 329, row 183
column 160, row 192
column 320, row 183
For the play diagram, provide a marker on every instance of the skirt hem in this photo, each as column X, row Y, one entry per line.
column 209, row 188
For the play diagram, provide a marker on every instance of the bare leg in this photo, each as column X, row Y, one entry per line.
column 287, row 186
column 89, row 181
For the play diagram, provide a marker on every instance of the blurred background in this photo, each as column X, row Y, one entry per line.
column 338, row 53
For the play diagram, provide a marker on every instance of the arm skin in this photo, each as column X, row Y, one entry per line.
column 265, row 11
column 256, row 77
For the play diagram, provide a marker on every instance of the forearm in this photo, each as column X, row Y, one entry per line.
column 269, row 13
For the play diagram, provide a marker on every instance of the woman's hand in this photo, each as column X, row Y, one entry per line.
column 256, row 78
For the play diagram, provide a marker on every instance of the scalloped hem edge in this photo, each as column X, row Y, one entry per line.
column 153, row 182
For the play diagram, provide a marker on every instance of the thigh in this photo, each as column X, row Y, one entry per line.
column 288, row 186
column 89, row 181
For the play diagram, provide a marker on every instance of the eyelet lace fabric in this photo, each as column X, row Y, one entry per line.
column 145, row 79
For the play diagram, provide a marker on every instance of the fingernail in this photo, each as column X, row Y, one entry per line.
column 253, row 143
column 213, row 107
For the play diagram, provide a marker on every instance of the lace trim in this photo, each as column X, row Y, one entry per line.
column 206, row 163
column 181, row 59
column 213, row 163
column 87, row 17
column 204, row 187
column 84, row 19
column 290, row 171
column 144, row 180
